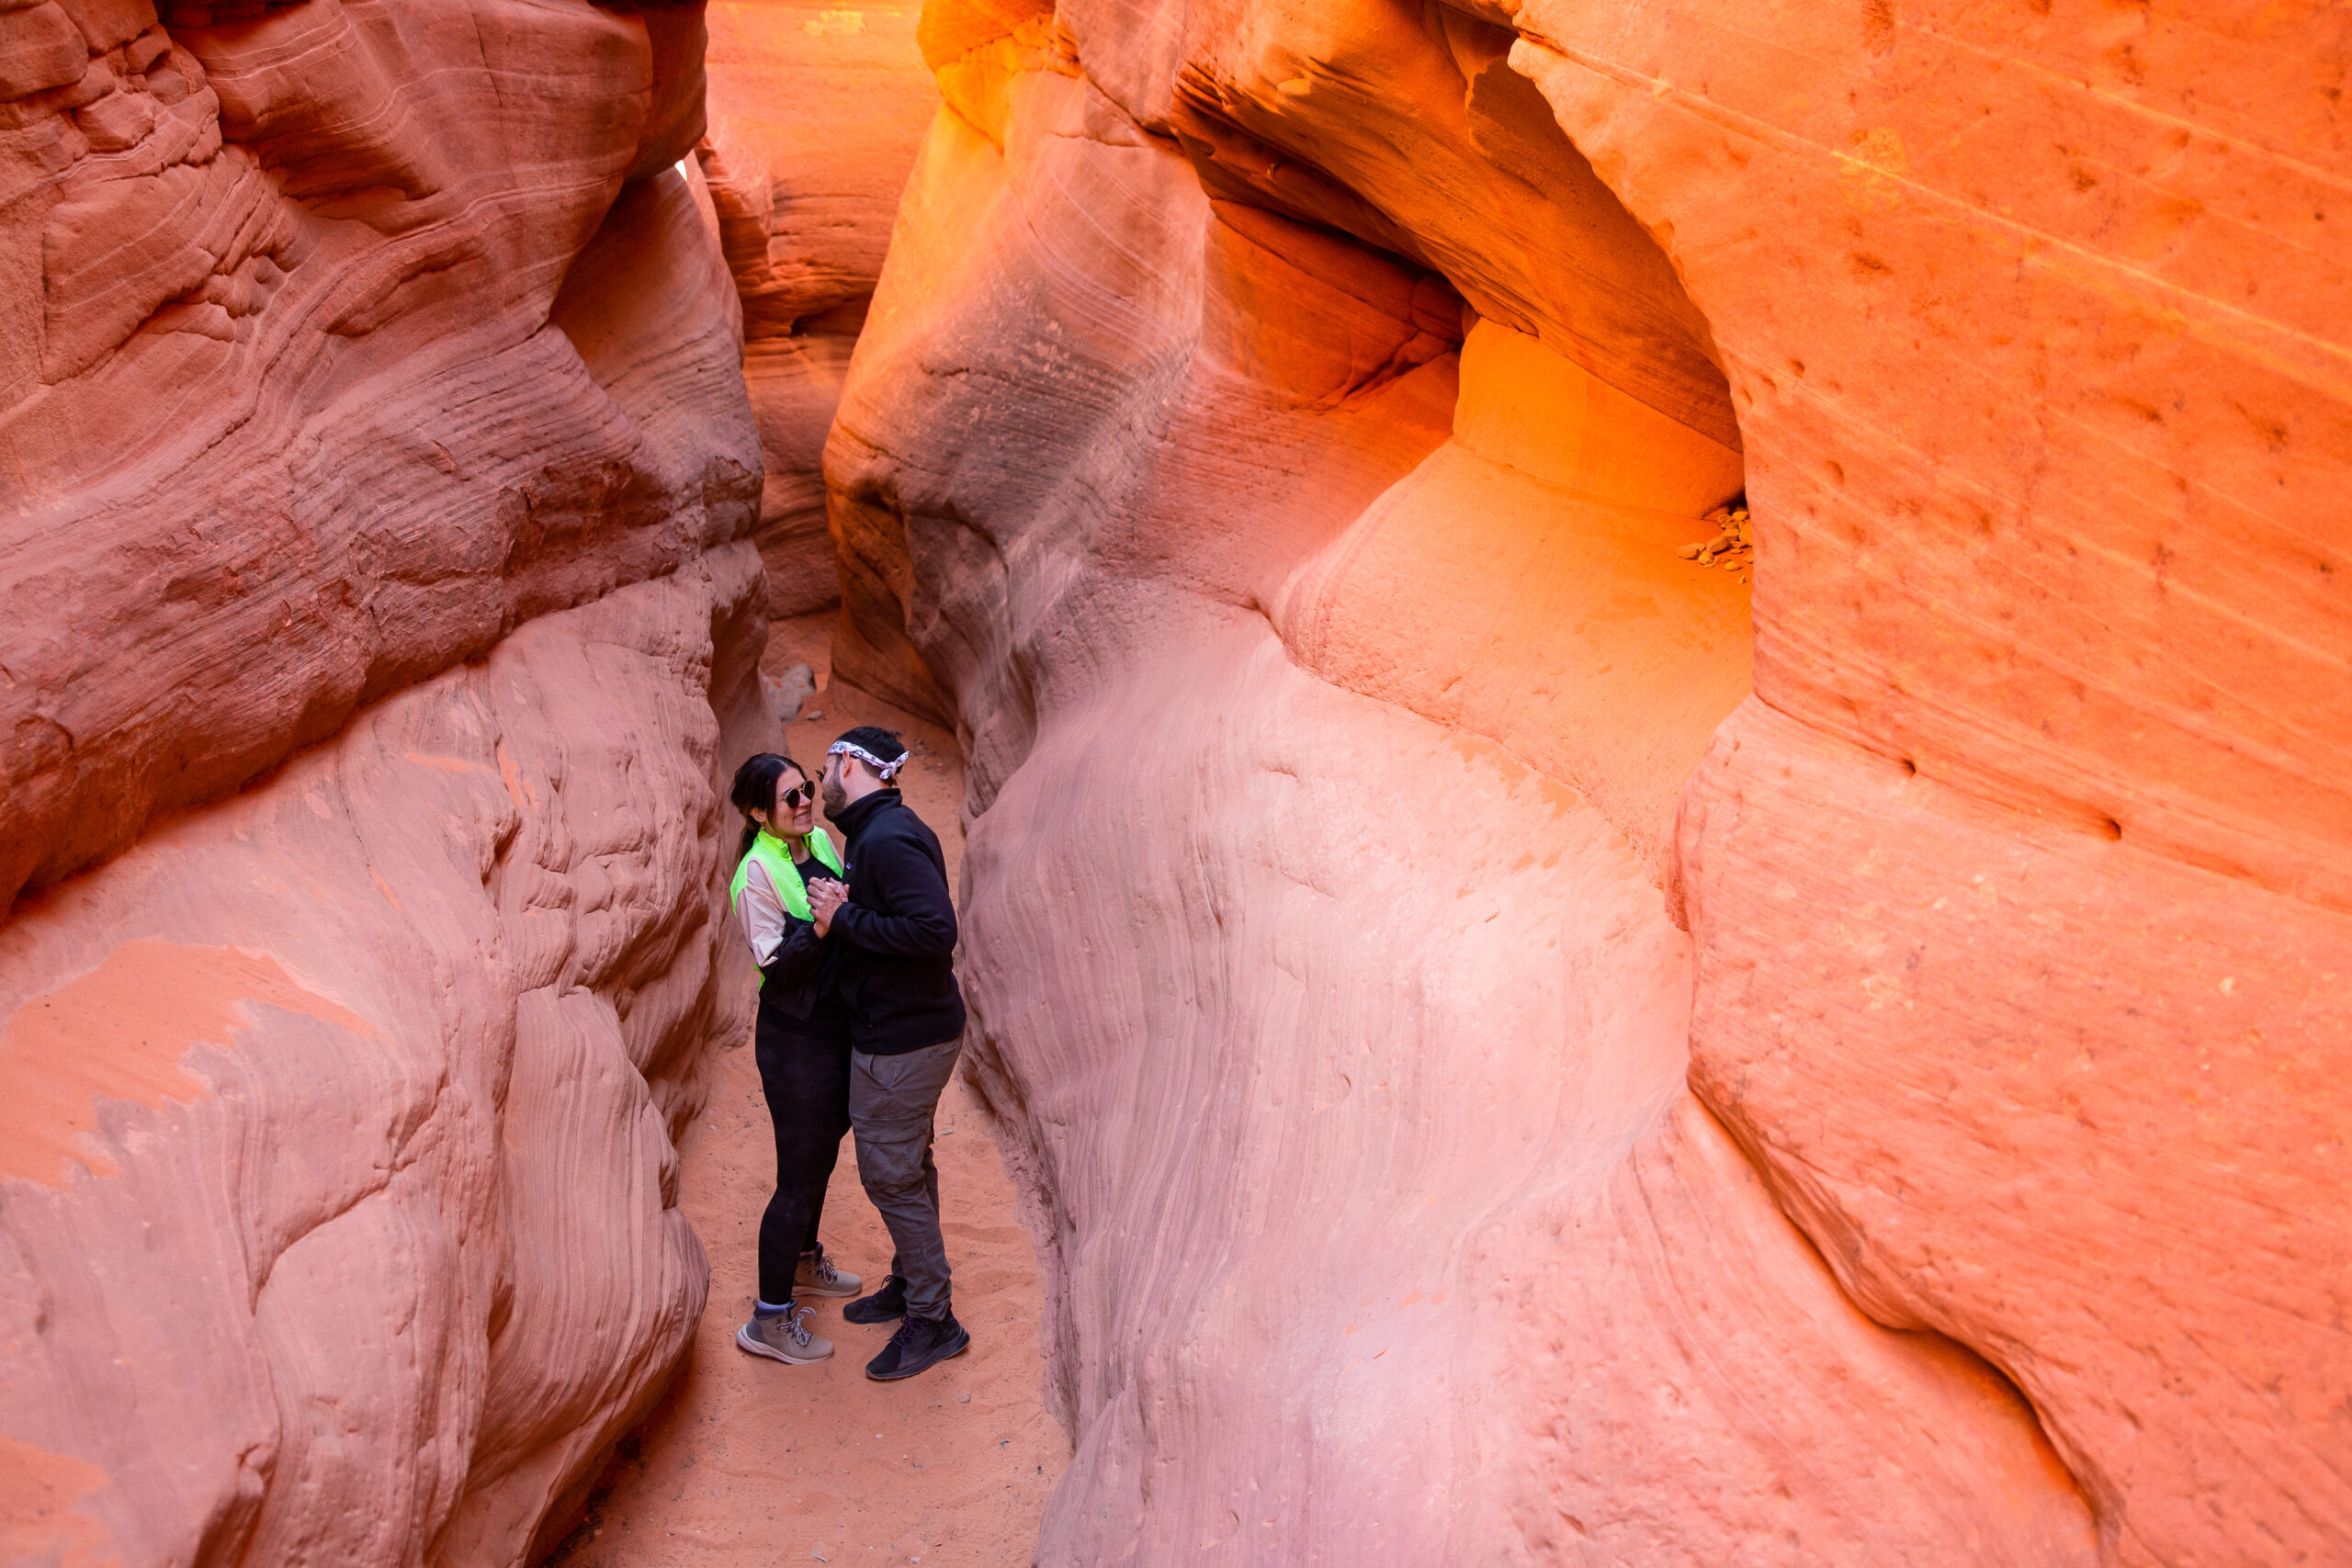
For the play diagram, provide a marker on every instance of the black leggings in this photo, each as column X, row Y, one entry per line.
column 805, row 1077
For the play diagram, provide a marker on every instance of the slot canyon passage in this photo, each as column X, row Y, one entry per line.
column 1518, row 1015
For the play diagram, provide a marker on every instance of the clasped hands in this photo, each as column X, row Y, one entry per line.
column 824, row 897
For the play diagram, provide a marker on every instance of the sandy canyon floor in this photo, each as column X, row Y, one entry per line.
column 749, row 1461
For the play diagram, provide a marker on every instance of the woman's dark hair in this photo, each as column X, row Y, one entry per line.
column 754, row 790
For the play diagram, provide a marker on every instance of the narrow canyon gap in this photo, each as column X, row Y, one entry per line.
column 1515, row 1044
column 387, row 546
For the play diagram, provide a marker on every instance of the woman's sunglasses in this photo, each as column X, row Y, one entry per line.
column 791, row 798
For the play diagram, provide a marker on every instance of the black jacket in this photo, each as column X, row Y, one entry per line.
column 800, row 981
column 897, row 933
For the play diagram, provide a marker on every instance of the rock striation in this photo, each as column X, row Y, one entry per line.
column 1523, row 1044
column 377, row 617
column 815, row 113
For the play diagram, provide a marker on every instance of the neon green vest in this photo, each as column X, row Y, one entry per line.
column 785, row 876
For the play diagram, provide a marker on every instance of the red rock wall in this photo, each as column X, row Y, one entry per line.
column 1509, row 1063
column 815, row 113
column 377, row 620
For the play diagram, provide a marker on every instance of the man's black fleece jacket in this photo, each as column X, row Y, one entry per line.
column 898, row 930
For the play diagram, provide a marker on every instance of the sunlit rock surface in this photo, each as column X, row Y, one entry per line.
column 817, row 109
column 378, row 618
column 1509, row 1062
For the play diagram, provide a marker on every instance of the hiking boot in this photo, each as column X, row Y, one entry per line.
column 920, row 1342
column 783, row 1337
column 816, row 1276
column 884, row 1304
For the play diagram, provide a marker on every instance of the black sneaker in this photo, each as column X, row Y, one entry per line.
column 884, row 1304
column 920, row 1342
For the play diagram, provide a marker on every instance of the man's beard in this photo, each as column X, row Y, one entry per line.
column 836, row 799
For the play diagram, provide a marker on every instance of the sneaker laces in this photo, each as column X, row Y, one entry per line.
column 796, row 1325
column 821, row 1266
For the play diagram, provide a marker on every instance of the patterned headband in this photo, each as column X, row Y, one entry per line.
column 882, row 770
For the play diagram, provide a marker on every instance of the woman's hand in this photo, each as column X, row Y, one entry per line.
column 825, row 897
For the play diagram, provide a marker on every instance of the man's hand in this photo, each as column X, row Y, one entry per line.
column 824, row 897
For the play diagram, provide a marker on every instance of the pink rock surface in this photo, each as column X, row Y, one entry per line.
column 1273, row 436
column 2040, row 1044
column 291, row 416
column 341, row 1205
column 815, row 112
column 374, row 583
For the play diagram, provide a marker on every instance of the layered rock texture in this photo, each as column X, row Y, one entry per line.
column 377, row 613
column 815, row 114
column 1524, row 1046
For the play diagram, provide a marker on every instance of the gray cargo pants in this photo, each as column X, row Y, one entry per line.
column 891, row 1101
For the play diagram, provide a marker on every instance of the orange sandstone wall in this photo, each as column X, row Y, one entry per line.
column 1523, row 1047
column 815, row 112
column 377, row 613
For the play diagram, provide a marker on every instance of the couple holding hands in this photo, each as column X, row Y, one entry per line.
column 860, row 1020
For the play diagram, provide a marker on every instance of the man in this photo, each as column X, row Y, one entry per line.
column 897, row 925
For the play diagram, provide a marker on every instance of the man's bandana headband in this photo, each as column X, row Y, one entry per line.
column 882, row 770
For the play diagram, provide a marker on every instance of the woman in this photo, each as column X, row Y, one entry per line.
column 801, row 1044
